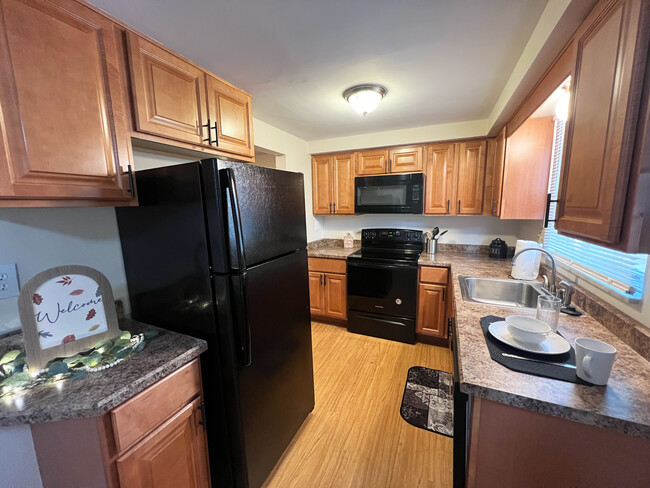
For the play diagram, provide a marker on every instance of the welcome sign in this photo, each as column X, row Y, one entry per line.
column 65, row 310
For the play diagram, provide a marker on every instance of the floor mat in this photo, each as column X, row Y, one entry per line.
column 428, row 400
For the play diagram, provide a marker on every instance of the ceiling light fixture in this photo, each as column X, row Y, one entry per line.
column 365, row 98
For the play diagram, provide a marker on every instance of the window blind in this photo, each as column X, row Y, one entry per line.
column 618, row 271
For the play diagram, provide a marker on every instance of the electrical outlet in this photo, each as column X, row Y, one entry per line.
column 8, row 281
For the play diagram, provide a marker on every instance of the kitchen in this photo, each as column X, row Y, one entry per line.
column 533, row 64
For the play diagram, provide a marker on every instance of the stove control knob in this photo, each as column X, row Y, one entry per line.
column 408, row 235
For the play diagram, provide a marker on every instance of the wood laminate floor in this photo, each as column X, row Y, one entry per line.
column 355, row 437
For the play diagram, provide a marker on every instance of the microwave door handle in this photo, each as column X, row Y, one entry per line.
column 236, row 216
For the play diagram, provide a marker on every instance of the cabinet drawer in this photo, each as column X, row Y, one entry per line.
column 142, row 413
column 429, row 274
column 326, row 265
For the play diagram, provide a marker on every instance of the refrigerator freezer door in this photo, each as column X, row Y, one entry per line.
column 271, row 208
column 276, row 391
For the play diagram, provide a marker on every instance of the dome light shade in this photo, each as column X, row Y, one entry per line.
column 364, row 98
column 562, row 107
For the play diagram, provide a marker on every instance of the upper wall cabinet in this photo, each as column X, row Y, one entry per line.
column 605, row 170
column 405, row 159
column 373, row 162
column 333, row 184
column 175, row 99
column 455, row 174
column 64, row 130
column 230, row 117
column 168, row 93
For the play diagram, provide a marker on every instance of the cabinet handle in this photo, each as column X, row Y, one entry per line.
column 494, row 202
column 129, row 170
column 458, row 206
column 334, row 207
column 216, row 134
column 443, row 294
column 447, row 206
column 209, row 139
column 390, row 165
column 330, row 207
column 325, row 280
column 202, row 419
column 320, row 280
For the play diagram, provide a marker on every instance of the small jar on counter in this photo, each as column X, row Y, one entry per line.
column 348, row 241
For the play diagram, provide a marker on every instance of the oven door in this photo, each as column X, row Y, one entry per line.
column 382, row 288
column 389, row 194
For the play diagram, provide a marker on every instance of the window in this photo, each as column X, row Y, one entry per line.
column 621, row 273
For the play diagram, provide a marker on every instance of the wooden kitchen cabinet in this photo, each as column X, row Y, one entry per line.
column 155, row 439
column 524, row 181
column 407, row 159
column 175, row 99
column 432, row 303
column 372, row 162
column 65, row 129
column 328, row 288
column 333, row 184
column 440, row 172
column 168, row 92
column 173, row 455
column 230, row 116
column 455, row 174
column 603, row 185
column 496, row 159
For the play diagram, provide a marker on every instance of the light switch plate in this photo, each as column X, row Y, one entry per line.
column 8, row 281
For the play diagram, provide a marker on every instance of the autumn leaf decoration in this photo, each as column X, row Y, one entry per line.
column 76, row 292
column 91, row 314
column 37, row 299
column 68, row 338
column 93, row 327
column 65, row 280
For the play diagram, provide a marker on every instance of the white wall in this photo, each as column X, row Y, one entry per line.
column 40, row 238
column 18, row 463
column 461, row 230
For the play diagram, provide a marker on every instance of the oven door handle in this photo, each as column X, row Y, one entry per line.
column 381, row 265
column 376, row 319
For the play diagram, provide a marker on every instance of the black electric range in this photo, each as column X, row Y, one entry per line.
column 382, row 284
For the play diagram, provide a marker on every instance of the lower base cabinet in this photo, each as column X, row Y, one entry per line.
column 155, row 439
column 328, row 288
column 433, row 298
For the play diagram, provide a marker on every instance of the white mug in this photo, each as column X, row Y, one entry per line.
column 594, row 360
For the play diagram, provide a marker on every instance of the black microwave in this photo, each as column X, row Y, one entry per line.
column 389, row 194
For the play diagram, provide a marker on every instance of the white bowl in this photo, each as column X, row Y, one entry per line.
column 527, row 330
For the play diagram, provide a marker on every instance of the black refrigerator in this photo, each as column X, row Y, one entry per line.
column 217, row 250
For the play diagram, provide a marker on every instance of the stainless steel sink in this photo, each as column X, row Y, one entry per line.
column 505, row 293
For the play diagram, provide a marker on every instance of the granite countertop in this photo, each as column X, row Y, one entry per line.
column 622, row 405
column 102, row 391
column 331, row 248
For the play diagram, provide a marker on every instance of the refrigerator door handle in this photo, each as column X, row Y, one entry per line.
column 236, row 215
column 244, row 327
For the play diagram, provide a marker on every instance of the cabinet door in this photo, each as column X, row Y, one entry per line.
column 373, row 162
column 607, row 94
column 316, row 293
column 321, row 176
column 439, row 184
column 343, row 184
column 173, row 455
column 336, row 296
column 496, row 155
column 230, row 109
column 431, row 310
column 471, row 173
column 406, row 159
column 64, row 130
column 168, row 93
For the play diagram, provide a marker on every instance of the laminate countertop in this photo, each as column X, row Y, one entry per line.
column 622, row 405
column 100, row 391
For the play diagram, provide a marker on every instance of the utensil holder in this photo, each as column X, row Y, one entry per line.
column 432, row 246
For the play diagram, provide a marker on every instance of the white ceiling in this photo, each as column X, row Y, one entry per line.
column 442, row 61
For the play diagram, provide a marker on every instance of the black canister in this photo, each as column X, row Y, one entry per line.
column 498, row 249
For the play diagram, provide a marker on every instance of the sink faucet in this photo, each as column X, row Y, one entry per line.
column 551, row 287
